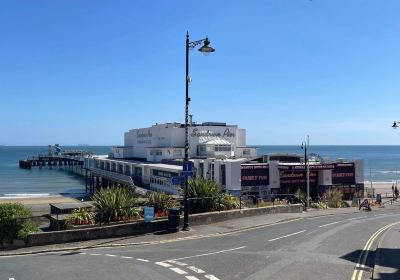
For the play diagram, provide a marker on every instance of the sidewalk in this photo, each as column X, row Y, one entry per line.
column 387, row 257
column 195, row 232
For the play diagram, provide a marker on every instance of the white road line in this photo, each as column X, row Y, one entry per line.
column 207, row 254
column 363, row 217
column 142, row 260
column 211, row 277
column 380, row 215
column 330, row 224
column 178, row 270
column 81, row 253
column 164, row 264
column 177, row 263
column 353, row 218
column 287, row 235
column 95, row 254
column 126, row 257
column 11, row 279
column 195, row 269
column 192, row 278
column 109, row 255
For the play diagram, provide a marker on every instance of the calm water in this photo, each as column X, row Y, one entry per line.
column 382, row 160
column 40, row 182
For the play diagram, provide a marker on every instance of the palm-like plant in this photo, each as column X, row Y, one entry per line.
column 115, row 204
column 160, row 201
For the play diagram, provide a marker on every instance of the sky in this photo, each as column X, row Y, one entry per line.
column 84, row 72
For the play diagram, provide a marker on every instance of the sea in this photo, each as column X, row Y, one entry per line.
column 381, row 165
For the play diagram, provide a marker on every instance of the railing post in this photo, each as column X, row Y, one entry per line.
column 240, row 201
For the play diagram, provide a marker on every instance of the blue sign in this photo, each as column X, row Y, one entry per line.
column 187, row 173
column 178, row 180
column 187, row 166
column 148, row 214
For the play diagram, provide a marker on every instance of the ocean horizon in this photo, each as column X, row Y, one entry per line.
column 381, row 165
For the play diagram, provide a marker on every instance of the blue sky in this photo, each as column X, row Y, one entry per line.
column 76, row 72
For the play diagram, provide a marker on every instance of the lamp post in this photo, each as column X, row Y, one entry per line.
column 304, row 146
column 395, row 125
column 206, row 49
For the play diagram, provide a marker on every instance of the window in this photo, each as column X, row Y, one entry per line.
column 246, row 152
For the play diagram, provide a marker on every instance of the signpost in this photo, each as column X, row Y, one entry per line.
column 178, row 180
column 148, row 214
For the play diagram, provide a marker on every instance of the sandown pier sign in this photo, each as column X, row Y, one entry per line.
column 208, row 133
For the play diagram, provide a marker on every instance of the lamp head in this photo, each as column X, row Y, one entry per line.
column 206, row 49
column 394, row 126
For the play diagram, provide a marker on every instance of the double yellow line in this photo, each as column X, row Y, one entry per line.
column 360, row 266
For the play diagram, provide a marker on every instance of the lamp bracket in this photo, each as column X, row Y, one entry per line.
column 193, row 44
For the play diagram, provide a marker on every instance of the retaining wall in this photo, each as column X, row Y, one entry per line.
column 137, row 228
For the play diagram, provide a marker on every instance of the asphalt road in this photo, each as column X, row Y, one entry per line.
column 327, row 247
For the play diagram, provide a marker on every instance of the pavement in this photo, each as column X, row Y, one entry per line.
column 320, row 244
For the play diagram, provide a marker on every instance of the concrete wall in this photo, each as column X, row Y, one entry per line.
column 136, row 228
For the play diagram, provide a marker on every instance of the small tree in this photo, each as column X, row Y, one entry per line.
column 14, row 222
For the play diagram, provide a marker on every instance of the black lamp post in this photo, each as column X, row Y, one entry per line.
column 395, row 125
column 206, row 49
column 304, row 146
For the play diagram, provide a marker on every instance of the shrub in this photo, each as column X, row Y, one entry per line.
column 318, row 205
column 300, row 195
column 115, row 204
column 228, row 202
column 206, row 196
column 14, row 222
column 160, row 201
column 81, row 217
column 334, row 198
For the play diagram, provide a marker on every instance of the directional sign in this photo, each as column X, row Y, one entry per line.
column 148, row 214
column 187, row 173
column 178, row 180
column 187, row 166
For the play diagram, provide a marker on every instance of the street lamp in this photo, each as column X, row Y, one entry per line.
column 395, row 125
column 206, row 49
column 304, row 146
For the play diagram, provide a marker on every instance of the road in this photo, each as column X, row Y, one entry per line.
column 320, row 247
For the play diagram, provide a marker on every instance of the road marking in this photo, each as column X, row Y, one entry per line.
column 287, row 235
column 11, row 279
column 109, row 255
column 358, row 269
column 164, row 264
column 142, row 260
column 211, row 277
column 126, row 257
column 195, row 269
column 95, row 254
column 191, row 278
column 330, row 224
column 178, row 270
column 177, row 263
column 81, row 253
column 353, row 218
column 380, row 215
column 207, row 254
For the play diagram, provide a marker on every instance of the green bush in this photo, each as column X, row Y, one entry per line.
column 14, row 222
column 115, row 204
column 334, row 198
column 300, row 195
column 319, row 205
column 160, row 201
column 81, row 217
column 206, row 196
